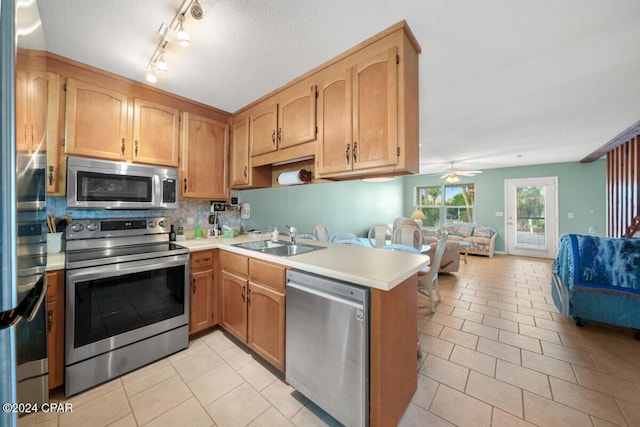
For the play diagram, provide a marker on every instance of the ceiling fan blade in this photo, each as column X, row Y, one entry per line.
column 444, row 176
column 466, row 173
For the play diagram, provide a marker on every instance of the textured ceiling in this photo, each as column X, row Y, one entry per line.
column 502, row 82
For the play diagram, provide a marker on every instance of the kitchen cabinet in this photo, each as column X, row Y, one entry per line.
column 253, row 305
column 242, row 175
column 97, row 125
column 55, row 327
column 203, row 166
column 203, row 311
column 284, row 120
column 368, row 111
column 37, row 94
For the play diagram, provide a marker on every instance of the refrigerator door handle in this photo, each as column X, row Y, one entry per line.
column 31, row 313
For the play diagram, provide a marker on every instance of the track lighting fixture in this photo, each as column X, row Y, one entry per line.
column 175, row 31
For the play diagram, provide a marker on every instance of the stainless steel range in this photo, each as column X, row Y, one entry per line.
column 127, row 299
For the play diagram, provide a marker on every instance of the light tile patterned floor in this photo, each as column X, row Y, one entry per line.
column 495, row 353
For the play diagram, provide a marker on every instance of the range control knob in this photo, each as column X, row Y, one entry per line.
column 162, row 223
column 151, row 224
column 92, row 226
column 76, row 227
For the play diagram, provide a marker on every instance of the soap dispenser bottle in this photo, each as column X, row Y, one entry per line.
column 275, row 235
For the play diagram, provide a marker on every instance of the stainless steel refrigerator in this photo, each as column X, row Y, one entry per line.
column 23, row 327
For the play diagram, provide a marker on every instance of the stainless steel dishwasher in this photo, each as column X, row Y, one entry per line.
column 327, row 348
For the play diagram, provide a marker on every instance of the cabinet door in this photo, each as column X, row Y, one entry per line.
column 375, row 110
column 37, row 94
column 96, row 122
column 201, row 305
column 334, row 148
column 22, row 119
column 155, row 133
column 266, row 335
column 262, row 131
column 55, row 327
column 204, row 158
column 234, row 305
column 297, row 116
column 240, row 152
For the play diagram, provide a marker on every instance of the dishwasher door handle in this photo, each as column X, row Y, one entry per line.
column 325, row 295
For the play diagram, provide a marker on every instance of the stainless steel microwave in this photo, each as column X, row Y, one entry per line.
column 107, row 184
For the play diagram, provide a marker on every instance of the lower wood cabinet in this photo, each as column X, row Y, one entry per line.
column 253, row 305
column 203, row 312
column 55, row 327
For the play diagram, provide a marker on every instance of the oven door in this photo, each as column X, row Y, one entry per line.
column 111, row 306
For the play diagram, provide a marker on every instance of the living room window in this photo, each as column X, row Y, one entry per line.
column 446, row 204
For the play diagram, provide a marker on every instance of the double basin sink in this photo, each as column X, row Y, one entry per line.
column 279, row 248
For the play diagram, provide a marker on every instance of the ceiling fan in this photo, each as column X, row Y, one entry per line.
column 451, row 175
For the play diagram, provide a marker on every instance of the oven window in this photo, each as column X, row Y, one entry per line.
column 112, row 306
column 101, row 187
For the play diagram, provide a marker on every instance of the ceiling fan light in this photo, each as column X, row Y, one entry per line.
column 452, row 179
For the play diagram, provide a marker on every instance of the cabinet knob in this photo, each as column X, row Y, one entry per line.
column 136, row 149
column 185, row 185
column 348, row 153
column 49, row 320
column 279, row 135
column 245, row 171
column 122, row 146
column 273, row 137
column 193, row 284
column 244, row 289
column 249, row 297
column 355, row 151
column 51, row 169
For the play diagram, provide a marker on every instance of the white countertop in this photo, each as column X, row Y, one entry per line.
column 374, row 268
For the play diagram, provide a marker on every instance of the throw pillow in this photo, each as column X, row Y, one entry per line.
column 483, row 231
column 464, row 230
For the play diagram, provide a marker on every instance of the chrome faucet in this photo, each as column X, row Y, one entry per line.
column 292, row 232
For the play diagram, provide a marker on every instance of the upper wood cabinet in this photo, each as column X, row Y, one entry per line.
column 97, row 125
column 96, row 121
column 37, row 95
column 242, row 174
column 368, row 111
column 285, row 120
column 156, row 131
column 203, row 166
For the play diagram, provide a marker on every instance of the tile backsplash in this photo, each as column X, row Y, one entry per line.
column 199, row 210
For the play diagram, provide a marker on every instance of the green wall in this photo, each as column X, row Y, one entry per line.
column 352, row 206
column 356, row 205
column 581, row 190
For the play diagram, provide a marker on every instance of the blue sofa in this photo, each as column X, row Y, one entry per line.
column 598, row 278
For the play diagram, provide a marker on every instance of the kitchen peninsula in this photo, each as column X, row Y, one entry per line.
column 392, row 278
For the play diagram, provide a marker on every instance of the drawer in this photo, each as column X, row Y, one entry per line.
column 267, row 274
column 201, row 259
column 238, row 264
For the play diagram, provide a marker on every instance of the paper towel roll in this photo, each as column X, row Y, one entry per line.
column 294, row 177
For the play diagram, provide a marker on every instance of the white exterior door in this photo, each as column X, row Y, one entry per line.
column 531, row 220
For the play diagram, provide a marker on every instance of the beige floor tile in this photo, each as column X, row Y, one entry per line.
column 449, row 403
column 617, row 387
column 459, row 337
column 480, row 308
column 631, row 412
column 218, row 341
column 586, row 400
column 197, row 364
column 598, row 422
column 499, row 350
column 563, row 326
column 567, row 354
column 496, row 393
column 416, row 416
column 258, row 375
column 445, row 372
column 474, row 360
column 481, row 330
column 188, row 413
column 195, row 346
column 446, row 320
column 428, row 327
column 518, row 317
column 237, row 357
column 436, row 346
column 284, row 398
column 440, row 308
column 505, row 419
column 159, row 398
column 540, row 333
column 312, row 416
column 503, row 306
column 521, row 341
column 127, row 421
column 271, row 418
column 548, row 365
column 464, row 313
column 474, row 299
column 496, row 322
column 537, row 314
column 425, row 391
column 144, row 378
column 547, row 413
column 101, row 411
column 215, row 384
column 238, row 408
column 95, row 393
column 455, row 302
column 523, row 377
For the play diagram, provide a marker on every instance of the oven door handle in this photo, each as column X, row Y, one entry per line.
column 120, row 269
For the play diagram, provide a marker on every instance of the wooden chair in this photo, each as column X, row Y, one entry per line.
column 343, row 235
column 320, row 232
column 408, row 235
column 429, row 280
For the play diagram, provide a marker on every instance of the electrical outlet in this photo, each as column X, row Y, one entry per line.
column 191, row 220
column 592, row 230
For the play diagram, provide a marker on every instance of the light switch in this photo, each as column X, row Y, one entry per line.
column 499, row 213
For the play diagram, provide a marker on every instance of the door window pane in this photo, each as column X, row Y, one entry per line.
column 530, row 209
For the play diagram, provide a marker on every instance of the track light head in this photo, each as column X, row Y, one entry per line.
column 183, row 36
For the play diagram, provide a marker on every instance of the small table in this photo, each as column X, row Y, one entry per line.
column 464, row 244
